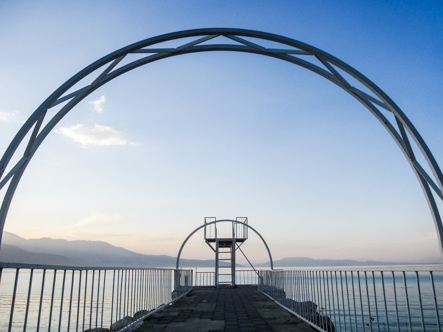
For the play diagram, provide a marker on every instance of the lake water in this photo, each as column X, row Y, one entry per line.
column 79, row 302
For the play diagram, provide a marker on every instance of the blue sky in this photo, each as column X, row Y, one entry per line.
column 141, row 161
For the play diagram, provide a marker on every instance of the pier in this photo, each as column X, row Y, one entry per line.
column 243, row 308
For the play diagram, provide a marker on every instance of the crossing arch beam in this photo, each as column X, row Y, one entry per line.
column 117, row 63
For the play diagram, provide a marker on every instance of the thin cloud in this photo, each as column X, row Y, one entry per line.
column 93, row 220
column 96, row 135
column 99, row 104
column 91, row 227
column 7, row 116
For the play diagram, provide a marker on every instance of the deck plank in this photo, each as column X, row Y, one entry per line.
column 243, row 308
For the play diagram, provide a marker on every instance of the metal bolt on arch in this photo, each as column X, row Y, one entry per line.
column 111, row 66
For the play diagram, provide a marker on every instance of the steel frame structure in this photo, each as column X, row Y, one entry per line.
column 177, row 264
column 293, row 51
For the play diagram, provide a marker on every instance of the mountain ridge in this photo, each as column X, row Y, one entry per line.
column 48, row 251
column 83, row 253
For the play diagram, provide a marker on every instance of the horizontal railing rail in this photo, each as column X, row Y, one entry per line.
column 378, row 268
column 66, row 298
column 360, row 299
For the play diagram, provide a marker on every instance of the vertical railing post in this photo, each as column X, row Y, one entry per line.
column 84, row 298
column 407, row 301
column 361, row 301
column 98, row 298
column 70, row 300
column 41, row 300
column 177, row 279
column 384, row 300
column 146, row 289
column 375, row 299
column 28, row 300
column 420, row 301
column 343, row 300
column 329, row 300
column 353, row 297
column 338, row 299
column 61, row 301
column 124, row 293
column 131, row 292
column 395, row 300
column 78, row 300
column 103, row 296
column 52, row 300
column 326, row 297
column 118, row 312
column 316, row 296
column 312, row 312
column 92, row 299
column 112, row 295
column 333, row 302
column 369, row 302
column 14, row 293
column 435, row 301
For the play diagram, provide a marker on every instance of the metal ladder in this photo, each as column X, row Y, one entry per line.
column 225, row 253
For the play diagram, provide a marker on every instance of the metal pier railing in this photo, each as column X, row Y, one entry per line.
column 242, row 277
column 41, row 298
column 360, row 299
column 63, row 298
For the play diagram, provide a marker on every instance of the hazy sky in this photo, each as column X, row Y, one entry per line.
column 141, row 161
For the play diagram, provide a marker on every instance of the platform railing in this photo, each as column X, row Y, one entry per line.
column 360, row 299
column 242, row 277
column 63, row 298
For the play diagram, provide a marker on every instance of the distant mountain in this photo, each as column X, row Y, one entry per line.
column 308, row 262
column 48, row 251
column 13, row 254
column 15, row 249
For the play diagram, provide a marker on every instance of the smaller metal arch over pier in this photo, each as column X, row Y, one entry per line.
column 239, row 222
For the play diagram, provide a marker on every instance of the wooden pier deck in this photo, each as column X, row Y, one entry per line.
column 243, row 308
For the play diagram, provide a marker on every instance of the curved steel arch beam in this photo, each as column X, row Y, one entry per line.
column 223, row 220
column 327, row 66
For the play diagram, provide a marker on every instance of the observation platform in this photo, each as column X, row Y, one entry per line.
column 243, row 308
column 225, row 242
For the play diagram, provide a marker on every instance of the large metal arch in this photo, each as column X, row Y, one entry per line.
column 111, row 66
column 177, row 264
